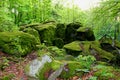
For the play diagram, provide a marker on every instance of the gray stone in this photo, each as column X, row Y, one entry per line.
column 36, row 65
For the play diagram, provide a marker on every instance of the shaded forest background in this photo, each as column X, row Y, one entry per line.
column 104, row 19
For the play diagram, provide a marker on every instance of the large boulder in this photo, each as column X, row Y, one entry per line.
column 33, row 32
column 55, row 69
column 17, row 43
column 59, row 35
column 46, row 32
column 112, row 46
column 58, row 42
column 85, row 33
column 32, row 69
column 76, row 47
column 88, row 48
column 71, row 32
column 60, row 30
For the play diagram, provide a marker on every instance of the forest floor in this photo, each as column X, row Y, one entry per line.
column 13, row 68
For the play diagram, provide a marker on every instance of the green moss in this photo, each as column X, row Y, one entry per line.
column 41, row 74
column 109, row 41
column 48, row 67
column 102, row 63
column 56, row 52
column 83, row 29
column 22, row 27
column 85, row 33
column 102, row 53
column 17, row 43
column 44, row 26
column 78, row 46
column 75, row 46
column 47, row 33
column 60, row 31
column 58, row 42
column 71, row 66
column 69, row 58
column 34, row 33
column 68, row 71
column 70, row 32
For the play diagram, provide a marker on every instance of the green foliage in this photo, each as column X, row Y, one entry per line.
column 6, row 21
column 56, row 51
column 4, row 63
column 105, row 19
column 86, row 61
column 104, row 72
column 93, row 78
column 7, row 77
column 20, row 12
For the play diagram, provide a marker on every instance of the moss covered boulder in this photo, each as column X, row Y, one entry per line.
column 46, row 32
column 85, row 33
column 64, row 69
column 89, row 48
column 22, row 27
column 33, row 32
column 101, row 54
column 110, row 41
column 60, row 30
column 71, row 32
column 76, row 47
column 17, row 43
column 59, row 35
column 58, row 42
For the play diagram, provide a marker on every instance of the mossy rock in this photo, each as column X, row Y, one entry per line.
column 76, row 47
column 71, row 32
column 47, row 33
column 17, row 43
column 85, row 33
column 60, row 30
column 58, row 42
column 110, row 41
column 34, row 33
column 71, row 67
column 102, row 54
column 29, row 25
column 42, row 27
column 47, row 70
